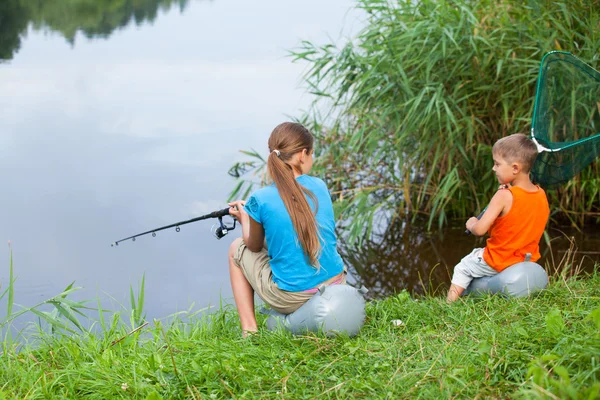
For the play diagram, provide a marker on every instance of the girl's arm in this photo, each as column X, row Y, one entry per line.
column 501, row 201
column 255, row 237
column 253, row 233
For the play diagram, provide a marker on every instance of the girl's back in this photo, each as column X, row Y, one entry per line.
column 291, row 267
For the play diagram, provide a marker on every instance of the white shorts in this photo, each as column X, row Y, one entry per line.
column 471, row 266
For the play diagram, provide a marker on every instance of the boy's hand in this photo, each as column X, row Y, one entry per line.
column 504, row 186
column 470, row 222
column 501, row 201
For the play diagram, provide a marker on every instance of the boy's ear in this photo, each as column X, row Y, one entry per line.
column 516, row 168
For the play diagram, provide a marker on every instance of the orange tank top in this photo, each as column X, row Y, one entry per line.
column 519, row 231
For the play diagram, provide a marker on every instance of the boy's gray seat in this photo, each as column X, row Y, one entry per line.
column 518, row 280
column 333, row 309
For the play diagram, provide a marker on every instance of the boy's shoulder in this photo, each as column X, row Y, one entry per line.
column 503, row 197
column 536, row 200
column 531, row 194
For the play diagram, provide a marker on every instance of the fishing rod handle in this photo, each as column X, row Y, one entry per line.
column 468, row 232
column 220, row 213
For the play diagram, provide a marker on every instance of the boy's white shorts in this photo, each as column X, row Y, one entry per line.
column 471, row 266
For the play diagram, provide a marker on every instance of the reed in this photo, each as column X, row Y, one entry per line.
column 407, row 111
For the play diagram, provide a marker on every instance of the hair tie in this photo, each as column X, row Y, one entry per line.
column 277, row 152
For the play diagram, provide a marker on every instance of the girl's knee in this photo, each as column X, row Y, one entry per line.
column 233, row 247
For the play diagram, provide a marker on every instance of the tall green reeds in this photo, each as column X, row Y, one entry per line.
column 407, row 111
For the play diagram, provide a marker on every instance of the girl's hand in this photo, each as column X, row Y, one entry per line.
column 237, row 211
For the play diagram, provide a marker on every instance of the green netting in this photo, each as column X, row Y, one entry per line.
column 566, row 118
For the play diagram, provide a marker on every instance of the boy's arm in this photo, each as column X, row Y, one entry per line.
column 501, row 200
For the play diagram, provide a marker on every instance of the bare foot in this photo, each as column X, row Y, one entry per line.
column 454, row 293
column 249, row 332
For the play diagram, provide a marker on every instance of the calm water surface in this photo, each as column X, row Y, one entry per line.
column 132, row 125
column 131, row 122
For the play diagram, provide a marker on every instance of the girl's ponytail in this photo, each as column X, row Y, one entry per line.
column 286, row 140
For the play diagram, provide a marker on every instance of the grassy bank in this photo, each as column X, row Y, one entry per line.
column 547, row 346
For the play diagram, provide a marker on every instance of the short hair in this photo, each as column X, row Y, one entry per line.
column 517, row 148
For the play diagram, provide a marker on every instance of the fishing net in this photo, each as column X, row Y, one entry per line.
column 566, row 118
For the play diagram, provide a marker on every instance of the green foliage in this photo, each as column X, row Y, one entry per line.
column 486, row 347
column 10, row 290
column 545, row 346
column 137, row 308
column 554, row 322
column 257, row 165
column 416, row 100
column 64, row 310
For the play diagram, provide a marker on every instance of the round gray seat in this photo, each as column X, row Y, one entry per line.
column 332, row 310
column 518, row 280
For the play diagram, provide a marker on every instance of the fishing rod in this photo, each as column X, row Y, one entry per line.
column 219, row 231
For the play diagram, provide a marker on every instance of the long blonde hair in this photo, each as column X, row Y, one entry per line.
column 286, row 140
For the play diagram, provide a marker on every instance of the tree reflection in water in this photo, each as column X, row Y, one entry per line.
column 404, row 256
column 93, row 18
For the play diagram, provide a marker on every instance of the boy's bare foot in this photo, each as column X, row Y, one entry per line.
column 454, row 293
column 249, row 332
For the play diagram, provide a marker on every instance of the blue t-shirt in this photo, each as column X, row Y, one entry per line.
column 291, row 268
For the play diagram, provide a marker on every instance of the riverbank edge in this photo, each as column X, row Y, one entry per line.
column 545, row 346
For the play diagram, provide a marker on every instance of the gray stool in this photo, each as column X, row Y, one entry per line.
column 333, row 309
column 518, row 280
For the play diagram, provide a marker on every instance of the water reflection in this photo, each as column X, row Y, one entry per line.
column 13, row 24
column 94, row 19
column 113, row 137
column 406, row 256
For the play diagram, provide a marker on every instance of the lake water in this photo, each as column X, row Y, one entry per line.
column 130, row 126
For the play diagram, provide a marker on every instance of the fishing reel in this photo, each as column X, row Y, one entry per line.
column 220, row 230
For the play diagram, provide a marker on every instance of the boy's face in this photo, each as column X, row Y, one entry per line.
column 505, row 171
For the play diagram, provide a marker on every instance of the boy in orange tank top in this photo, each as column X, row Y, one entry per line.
column 515, row 218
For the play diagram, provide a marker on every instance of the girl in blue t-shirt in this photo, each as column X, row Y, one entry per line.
column 288, row 246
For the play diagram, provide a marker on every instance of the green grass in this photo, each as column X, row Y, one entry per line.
column 547, row 346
